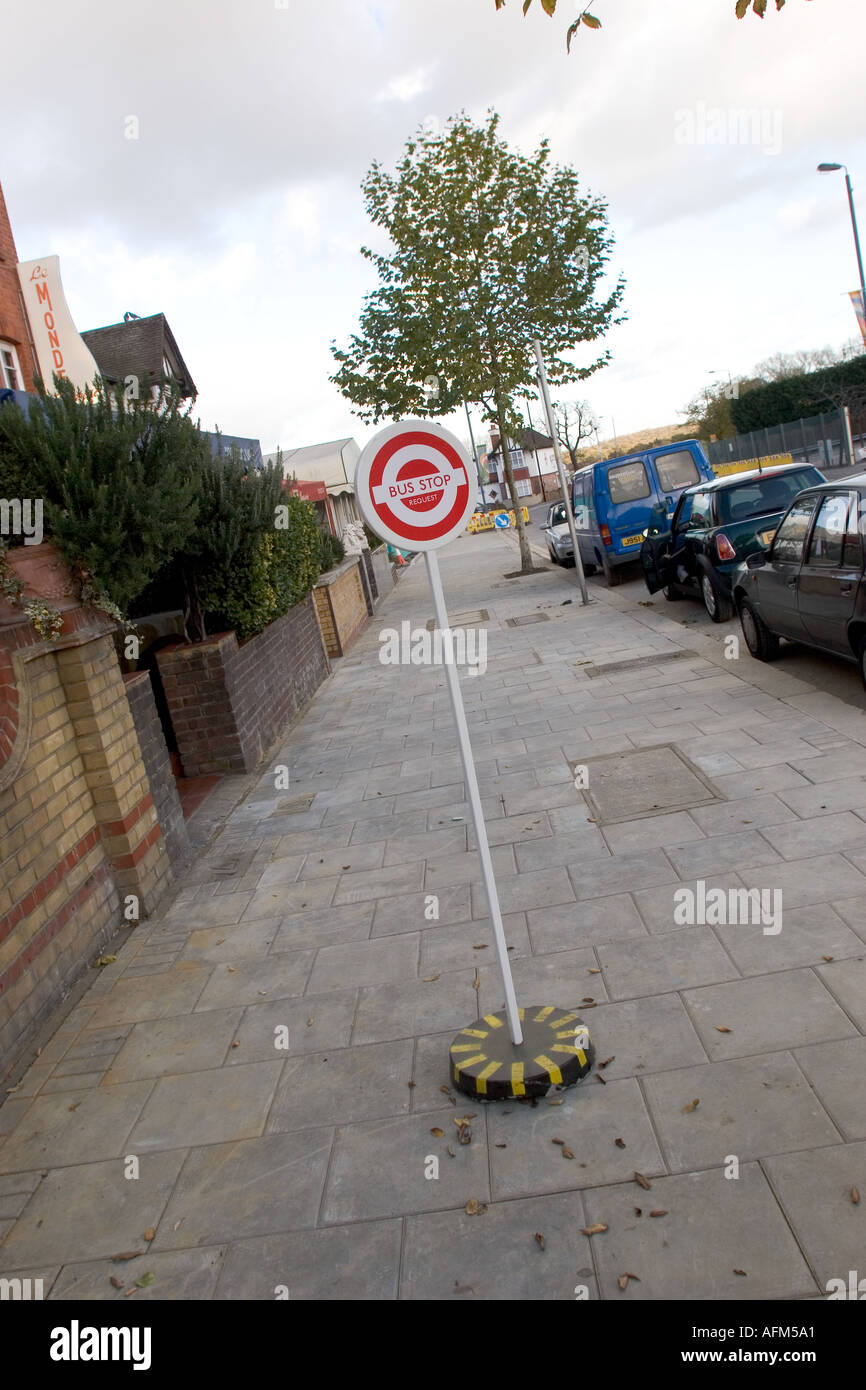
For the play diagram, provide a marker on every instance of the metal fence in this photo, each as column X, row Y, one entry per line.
column 823, row 440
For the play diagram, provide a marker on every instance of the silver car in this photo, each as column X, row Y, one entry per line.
column 558, row 535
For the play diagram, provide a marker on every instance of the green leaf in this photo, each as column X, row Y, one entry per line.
column 590, row 21
column 145, row 1281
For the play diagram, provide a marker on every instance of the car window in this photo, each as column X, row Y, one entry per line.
column 759, row 496
column 677, row 470
column 628, row 482
column 682, row 512
column 557, row 515
column 829, row 531
column 702, row 511
column 788, row 540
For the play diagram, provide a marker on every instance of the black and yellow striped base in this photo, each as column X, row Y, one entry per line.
column 556, row 1051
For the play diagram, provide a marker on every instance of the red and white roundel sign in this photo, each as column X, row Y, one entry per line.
column 416, row 485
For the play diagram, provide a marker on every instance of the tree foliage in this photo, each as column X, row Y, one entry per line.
column 491, row 249
column 587, row 20
column 802, row 395
column 118, row 478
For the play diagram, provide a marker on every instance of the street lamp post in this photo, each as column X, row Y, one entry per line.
column 832, row 169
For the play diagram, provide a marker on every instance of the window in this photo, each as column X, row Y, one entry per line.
column 558, row 515
column 702, row 512
column 788, row 541
column 627, row 483
column 10, row 372
column 760, row 496
column 581, row 511
column 523, row 486
column 835, row 542
column 677, row 470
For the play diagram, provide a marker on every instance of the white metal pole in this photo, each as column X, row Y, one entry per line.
column 569, row 514
column 474, row 796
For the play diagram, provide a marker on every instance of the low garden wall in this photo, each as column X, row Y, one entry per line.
column 229, row 702
column 154, row 753
column 341, row 605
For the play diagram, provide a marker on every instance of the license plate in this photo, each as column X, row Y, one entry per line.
column 766, row 537
column 633, row 540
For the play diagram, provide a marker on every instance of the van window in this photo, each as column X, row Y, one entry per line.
column 677, row 470
column 581, row 511
column 628, row 482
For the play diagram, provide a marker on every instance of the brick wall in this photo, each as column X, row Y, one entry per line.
column 229, row 703
column 341, row 606
column 13, row 325
column 78, row 826
column 163, row 788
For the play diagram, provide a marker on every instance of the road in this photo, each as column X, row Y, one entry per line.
column 826, row 673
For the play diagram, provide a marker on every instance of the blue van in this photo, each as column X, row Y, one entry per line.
column 616, row 500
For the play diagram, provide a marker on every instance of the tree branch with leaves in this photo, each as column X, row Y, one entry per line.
column 587, row 20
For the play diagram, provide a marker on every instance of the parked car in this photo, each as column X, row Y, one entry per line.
column 715, row 526
column 809, row 586
column 558, row 535
column 615, row 500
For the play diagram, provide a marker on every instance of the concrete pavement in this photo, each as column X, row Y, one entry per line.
column 251, row 1095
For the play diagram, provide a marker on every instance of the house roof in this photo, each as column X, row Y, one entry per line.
column 139, row 347
column 332, row 462
column 527, row 439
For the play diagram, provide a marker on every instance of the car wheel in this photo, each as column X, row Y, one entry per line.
column 716, row 604
column 761, row 642
column 589, row 568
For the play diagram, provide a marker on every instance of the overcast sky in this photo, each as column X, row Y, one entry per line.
column 237, row 211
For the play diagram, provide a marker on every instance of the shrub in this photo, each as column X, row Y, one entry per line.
column 331, row 551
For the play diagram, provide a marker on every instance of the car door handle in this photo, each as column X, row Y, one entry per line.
column 845, row 588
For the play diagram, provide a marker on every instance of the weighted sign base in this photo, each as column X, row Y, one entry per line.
column 556, row 1051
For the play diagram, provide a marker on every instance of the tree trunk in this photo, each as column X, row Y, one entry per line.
column 526, row 565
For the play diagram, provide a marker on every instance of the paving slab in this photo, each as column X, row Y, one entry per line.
column 365, row 963
column 748, row 1107
column 835, row 1070
column 171, row 1046
column 359, row 1263
column 808, row 936
column 814, row 1191
column 177, row 1275
column 661, row 964
column 798, row 1009
column 311, row 1023
column 205, row 1107
column 847, row 981
column 391, row 1011
column 398, row 1152
column 249, row 1188
column 711, row 1228
column 152, row 996
column 328, row 926
column 343, row 1085
column 452, row 1257
column 569, row 925
column 589, row 1120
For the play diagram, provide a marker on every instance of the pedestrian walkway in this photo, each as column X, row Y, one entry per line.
column 255, row 1096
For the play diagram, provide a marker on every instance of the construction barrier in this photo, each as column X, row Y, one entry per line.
column 486, row 521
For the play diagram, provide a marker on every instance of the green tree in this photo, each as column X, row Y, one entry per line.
column 585, row 19
column 491, row 250
column 118, row 478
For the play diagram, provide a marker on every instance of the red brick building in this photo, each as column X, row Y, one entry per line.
column 17, row 360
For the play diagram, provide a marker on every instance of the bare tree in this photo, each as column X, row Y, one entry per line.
column 574, row 421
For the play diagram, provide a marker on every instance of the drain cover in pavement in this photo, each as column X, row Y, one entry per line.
column 646, row 782
column 479, row 615
column 527, row 618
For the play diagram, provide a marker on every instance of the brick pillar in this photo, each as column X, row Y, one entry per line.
column 113, row 766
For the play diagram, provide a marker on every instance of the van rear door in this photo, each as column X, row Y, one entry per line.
column 632, row 492
column 673, row 470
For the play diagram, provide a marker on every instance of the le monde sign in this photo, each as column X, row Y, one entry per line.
column 59, row 347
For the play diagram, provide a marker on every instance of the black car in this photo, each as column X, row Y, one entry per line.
column 716, row 525
column 809, row 586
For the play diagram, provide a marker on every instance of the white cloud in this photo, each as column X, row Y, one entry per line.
column 408, row 86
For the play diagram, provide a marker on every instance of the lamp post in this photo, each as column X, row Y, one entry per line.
column 832, row 169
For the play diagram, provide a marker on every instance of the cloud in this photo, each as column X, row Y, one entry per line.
column 408, row 86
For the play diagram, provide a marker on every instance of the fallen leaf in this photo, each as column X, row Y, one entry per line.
column 554, row 1102
column 150, row 1233
column 309, row 1023
column 446, row 1090
column 236, row 1043
column 103, row 960
column 566, row 1153
column 658, row 1213
column 539, row 1240
column 557, row 1141
column 590, row 1006
column 346, row 866
column 176, row 1224
column 638, row 1211
column 428, row 979
column 855, row 1196
column 740, row 1271
column 75, row 1106
column 624, row 1278
column 437, row 1132
column 145, row 1281
column 476, row 983
column 500, row 1146
column 126, row 1255
column 598, row 1229
column 475, row 1208
column 230, row 969
column 620, row 1143
column 451, row 1153
column 411, row 1085
column 599, row 1077
column 594, row 971
column 482, row 947
column 464, row 1134
column 262, row 991
column 587, row 1000
column 722, row 1030
column 827, row 957
column 607, row 1061
column 692, row 1105
column 642, row 1181
column 115, row 1283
